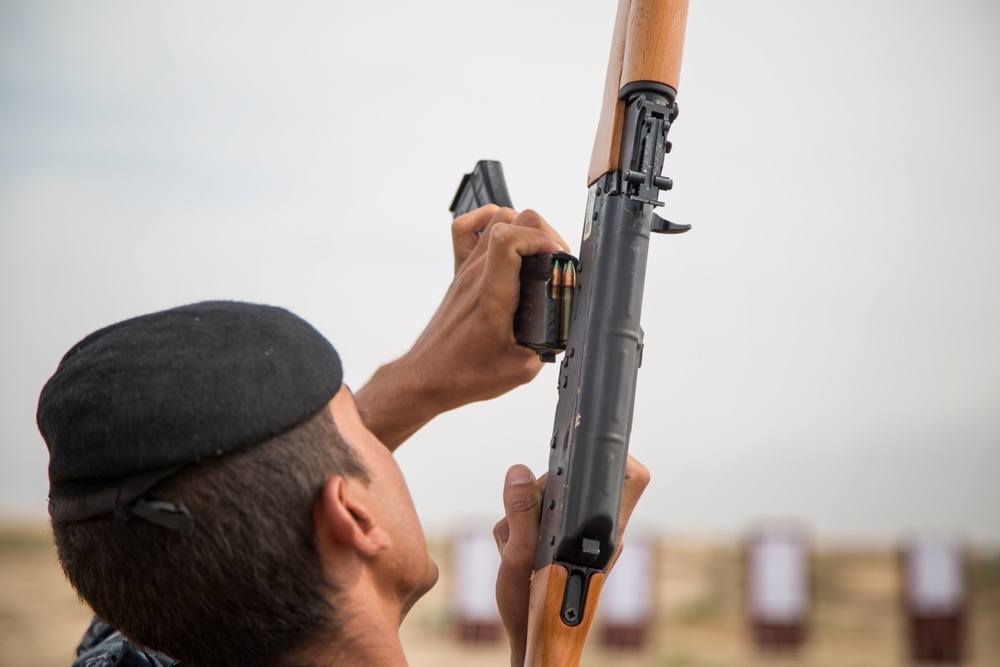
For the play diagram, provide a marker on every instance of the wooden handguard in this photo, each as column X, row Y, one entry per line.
column 551, row 643
column 647, row 46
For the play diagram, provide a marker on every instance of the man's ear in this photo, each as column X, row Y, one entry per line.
column 343, row 516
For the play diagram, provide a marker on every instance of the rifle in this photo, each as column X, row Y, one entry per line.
column 603, row 340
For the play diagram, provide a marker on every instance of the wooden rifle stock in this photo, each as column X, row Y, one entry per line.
column 579, row 530
column 647, row 46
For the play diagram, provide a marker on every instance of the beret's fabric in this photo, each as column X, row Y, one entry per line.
column 134, row 402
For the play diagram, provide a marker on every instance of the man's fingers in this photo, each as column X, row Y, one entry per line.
column 517, row 534
column 528, row 218
column 636, row 480
column 501, row 216
column 507, row 244
column 466, row 230
column 521, row 501
column 501, row 533
column 517, row 537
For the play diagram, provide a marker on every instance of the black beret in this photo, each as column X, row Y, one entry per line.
column 134, row 402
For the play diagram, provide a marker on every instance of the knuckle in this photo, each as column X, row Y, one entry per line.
column 638, row 473
column 522, row 503
column 473, row 220
column 530, row 218
column 501, row 235
column 504, row 215
column 498, row 532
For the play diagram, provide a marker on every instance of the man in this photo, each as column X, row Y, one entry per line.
column 220, row 497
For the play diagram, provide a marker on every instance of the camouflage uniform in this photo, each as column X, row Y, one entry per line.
column 103, row 646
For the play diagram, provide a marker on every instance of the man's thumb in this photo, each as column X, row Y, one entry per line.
column 521, row 502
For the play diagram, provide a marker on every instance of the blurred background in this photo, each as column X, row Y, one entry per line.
column 823, row 347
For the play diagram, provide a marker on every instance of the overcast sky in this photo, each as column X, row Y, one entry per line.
column 823, row 346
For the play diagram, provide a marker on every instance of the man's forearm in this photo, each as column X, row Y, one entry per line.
column 467, row 352
column 397, row 401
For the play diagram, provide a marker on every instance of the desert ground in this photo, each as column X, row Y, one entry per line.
column 698, row 622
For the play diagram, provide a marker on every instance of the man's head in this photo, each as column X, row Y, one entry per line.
column 375, row 520
column 196, row 464
column 132, row 403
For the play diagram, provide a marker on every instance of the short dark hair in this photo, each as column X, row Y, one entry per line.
column 246, row 586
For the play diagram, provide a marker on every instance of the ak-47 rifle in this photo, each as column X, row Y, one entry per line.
column 595, row 318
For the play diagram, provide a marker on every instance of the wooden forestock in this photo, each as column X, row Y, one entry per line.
column 551, row 643
column 647, row 46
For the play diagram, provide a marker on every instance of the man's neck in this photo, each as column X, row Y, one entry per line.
column 371, row 649
column 367, row 637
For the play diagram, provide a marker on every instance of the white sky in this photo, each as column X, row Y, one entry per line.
column 824, row 345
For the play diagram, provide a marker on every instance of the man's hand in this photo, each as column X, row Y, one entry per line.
column 517, row 538
column 467, row 352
